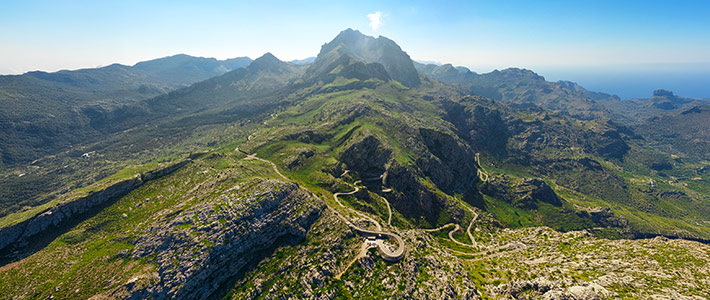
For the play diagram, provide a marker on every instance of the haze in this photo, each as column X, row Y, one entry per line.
column 588, row 42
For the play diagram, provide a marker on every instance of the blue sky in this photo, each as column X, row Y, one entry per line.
column 482, row 35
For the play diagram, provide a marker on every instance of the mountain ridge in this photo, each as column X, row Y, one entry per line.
column 490, row 183
column 368, row 50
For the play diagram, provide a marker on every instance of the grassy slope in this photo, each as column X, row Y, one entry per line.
column 88, row 259
column 321, row 114
column 161, row 128
column 98, row 241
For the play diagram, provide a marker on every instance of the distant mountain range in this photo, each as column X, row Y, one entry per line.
column 43, row 113
column 193, row 178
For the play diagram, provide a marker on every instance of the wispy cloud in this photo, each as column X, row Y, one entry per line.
column 375, row 20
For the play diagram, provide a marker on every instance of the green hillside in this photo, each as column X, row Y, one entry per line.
column 47, row 113
column 357, row 176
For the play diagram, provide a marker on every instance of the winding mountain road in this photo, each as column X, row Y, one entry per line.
column 480, row 172
column 375, row 237
column 384, row 190
column 468, row 229
column 253, row 156
column 378, row 235
column 457, row 227
column 362, row 215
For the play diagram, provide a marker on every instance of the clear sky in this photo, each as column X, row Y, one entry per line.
column 482, row 35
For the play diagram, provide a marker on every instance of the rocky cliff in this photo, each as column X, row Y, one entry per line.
column 19, row 234
column 525, row 193
column 318, row 269
column 197, row 250
column 368, row 50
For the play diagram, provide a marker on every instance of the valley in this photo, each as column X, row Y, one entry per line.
column 361, row 174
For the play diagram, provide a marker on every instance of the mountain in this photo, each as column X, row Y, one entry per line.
column 447, row 73
column 249, row 83
column 675, row 124
column 346, row 179
column 684, row 133
column 524, row 88
column 661, row 102
column 141, row 129
column 521, row 88
column 183, row 69
column 656, row 119
column 44, row 113
column 367, row 49
column 304, row 61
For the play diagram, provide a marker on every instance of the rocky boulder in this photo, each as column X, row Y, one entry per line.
column 591, row 291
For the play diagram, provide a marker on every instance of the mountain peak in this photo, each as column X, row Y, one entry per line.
column 368, row 49
column 267, row 62
column 519, row 73
column 350, row 34
column 268, row 57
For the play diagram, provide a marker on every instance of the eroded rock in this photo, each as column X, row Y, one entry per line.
column 197, row 250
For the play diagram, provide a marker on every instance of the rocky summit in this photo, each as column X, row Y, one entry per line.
column 358, row 174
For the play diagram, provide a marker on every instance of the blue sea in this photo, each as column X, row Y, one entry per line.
column 636, row 81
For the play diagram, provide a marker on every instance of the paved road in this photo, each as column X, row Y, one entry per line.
column 364, row 216
column 253, row 156
column 468, row 229
column 384, row 190
column 457, row 227
column 451, row 233
column 482, row 174
column 387, row 252
column 379, row 236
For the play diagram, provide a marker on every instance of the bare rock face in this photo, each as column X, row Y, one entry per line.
column 441, row 158
column 451, row 163
column 514, row 289
column 530, row 190
column 294, row 161
column 19, row 234
column 307, row 136
column 412, row 198
column 592, row 291
column 367, row 49
column 523, row 194
column 554, row 290
column 604, row 216
column 610, row 144
column 198, row 250
column 366, row 157
column 309, row 270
